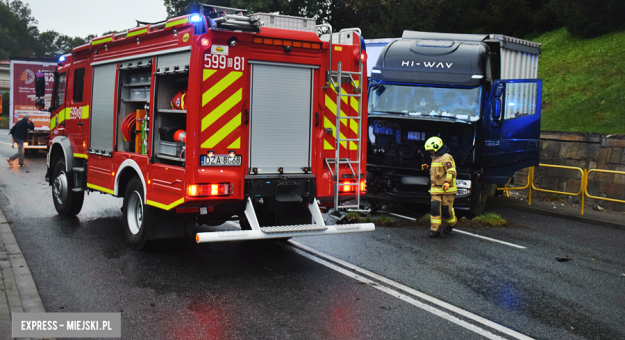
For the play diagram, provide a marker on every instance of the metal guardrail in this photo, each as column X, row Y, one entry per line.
column 530, row 174
column 583, row 191
column 597, row 197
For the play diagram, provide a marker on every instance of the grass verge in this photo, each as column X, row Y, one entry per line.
column 491, row 220
column 583, row 82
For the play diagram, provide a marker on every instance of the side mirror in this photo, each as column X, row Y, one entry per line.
column 40, row 104
column 40, row 85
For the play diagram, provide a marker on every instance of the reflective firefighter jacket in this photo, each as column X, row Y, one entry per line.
column 443, row 170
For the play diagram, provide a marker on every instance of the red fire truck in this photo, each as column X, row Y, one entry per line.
column 214, row 116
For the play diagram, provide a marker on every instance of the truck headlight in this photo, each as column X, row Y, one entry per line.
column 463, row 183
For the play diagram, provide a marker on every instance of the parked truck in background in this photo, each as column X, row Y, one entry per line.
column 22, row 97
column 478, row 92
column 209, row 117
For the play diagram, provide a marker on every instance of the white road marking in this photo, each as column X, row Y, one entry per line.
column 402, row 216
column 491, row 239
column 464, row 232
column 399, row 295
column 406, row 289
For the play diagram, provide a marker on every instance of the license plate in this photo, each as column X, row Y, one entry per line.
column 220, row 160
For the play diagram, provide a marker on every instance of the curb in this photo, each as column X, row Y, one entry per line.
column 18, row 292
column 579, row 218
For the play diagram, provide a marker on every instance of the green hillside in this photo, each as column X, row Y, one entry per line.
column 583, row 82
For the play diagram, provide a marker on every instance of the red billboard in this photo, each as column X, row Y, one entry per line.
column 22, row 98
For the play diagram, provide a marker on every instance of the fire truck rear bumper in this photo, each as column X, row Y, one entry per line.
column 258, row 233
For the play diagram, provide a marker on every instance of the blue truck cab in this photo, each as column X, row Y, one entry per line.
column 478, row 92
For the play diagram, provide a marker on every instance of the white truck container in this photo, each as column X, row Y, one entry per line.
column 22, row 98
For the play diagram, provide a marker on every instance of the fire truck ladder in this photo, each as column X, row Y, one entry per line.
column 337, row 78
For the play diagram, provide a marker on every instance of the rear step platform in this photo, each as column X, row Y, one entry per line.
column 292, row 228
column 258, row 233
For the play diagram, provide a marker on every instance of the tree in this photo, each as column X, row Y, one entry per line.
column 589, row 18
column 18, row 32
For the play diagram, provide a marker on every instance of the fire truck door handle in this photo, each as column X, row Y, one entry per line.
column 317, row 116
column 247, row 116
column 80, row 123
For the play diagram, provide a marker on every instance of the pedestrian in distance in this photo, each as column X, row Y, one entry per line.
column 443, row 189
column 19, row 132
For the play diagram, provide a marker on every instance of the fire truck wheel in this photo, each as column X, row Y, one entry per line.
column 135, row 217
column 66, row 201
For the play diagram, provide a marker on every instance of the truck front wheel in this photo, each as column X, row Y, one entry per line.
column 66, row 201
column 135, row 215
column 480, row 196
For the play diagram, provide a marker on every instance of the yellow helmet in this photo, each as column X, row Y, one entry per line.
column 433, row 143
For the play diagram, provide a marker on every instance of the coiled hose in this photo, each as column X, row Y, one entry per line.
column 128, row 126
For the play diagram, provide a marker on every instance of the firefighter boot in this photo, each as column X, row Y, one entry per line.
column 434, row 234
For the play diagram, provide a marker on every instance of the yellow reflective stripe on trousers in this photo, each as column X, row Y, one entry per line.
column 451, row 190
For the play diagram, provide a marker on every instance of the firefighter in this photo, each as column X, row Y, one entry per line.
column 443, row 177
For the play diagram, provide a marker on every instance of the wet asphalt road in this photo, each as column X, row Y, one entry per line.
column 260, row 290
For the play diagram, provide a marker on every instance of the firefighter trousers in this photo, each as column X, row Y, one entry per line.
column 442, row 209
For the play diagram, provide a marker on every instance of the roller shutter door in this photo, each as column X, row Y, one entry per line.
column 280, row 118
column 102, row 108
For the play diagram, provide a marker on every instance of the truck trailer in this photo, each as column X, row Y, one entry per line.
column 210, row 117
column 478, row 92
column 22, row 98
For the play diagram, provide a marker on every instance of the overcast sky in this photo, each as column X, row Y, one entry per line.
column 83, row 17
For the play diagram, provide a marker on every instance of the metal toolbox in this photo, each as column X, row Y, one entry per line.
column 171, row 148
column 287, row 22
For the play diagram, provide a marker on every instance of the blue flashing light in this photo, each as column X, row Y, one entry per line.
column 195, row 18
column 511, row 104
column 61, row 59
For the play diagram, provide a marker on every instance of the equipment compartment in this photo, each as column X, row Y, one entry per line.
column 170, row 118
column 135, row 94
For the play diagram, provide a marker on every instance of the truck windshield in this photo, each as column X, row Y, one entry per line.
column 458, row 103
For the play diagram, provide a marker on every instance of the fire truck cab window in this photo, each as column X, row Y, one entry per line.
column 59, row 90
column 79, row 85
